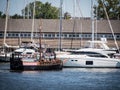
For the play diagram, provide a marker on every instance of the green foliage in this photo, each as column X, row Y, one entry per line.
column 112, row 8
column 2, row 15
column 16, row 16
column 45, row 11
column 67, row 15
column 42, row 10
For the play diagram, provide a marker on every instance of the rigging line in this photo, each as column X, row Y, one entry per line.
column 111, row 28
column 77, row 2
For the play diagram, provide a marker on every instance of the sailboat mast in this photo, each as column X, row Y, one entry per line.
column 60, row 27
column 74, row 21
column 33, row 21
column 92, row 18
column 6, row 22
column 96, row 24
column 40, row 37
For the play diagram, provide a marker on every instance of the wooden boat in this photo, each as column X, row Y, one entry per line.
column 17, row 63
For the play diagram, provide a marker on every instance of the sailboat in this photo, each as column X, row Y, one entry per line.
column 4, row 54
column 89, row 57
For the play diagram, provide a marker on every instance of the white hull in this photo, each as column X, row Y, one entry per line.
column 90, row 62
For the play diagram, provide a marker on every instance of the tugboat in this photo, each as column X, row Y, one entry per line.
column 42, row 60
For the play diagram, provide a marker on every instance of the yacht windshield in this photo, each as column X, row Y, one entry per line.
column 91, row 54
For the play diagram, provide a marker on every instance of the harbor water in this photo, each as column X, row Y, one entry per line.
column 65, row 79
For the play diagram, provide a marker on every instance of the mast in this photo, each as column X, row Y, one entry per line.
column 24, row 10
column 81, row 25
column 40, row 36
column 6, row 22
column 96, row 24
column 60, row 27
column 33, row 21
column 28, row 11
column 92, row 18
column 74, row 22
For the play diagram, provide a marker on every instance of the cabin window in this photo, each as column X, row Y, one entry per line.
column 89, row 62
column 28, row 53
column 74, row 60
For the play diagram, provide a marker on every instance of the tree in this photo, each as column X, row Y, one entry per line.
column 49, row 12
column 2, row 15
column 45, row 11
column 16, row 16
column 112, row 8
column 67, row 15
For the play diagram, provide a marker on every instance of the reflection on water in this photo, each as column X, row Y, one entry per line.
column 66, row 79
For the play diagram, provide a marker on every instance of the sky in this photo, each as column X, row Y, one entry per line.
column 78, row 8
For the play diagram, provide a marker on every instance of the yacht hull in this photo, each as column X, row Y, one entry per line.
column 91, row 62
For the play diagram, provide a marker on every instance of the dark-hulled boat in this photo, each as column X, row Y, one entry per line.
column 17, row 63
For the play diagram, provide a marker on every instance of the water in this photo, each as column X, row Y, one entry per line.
column 66, row 79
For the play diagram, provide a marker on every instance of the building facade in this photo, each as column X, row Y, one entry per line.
column 74, row 32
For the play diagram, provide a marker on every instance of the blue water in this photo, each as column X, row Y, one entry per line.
column 66, row 79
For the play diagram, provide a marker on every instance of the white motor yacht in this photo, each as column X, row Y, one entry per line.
column 89, row 59
column 25, row 54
